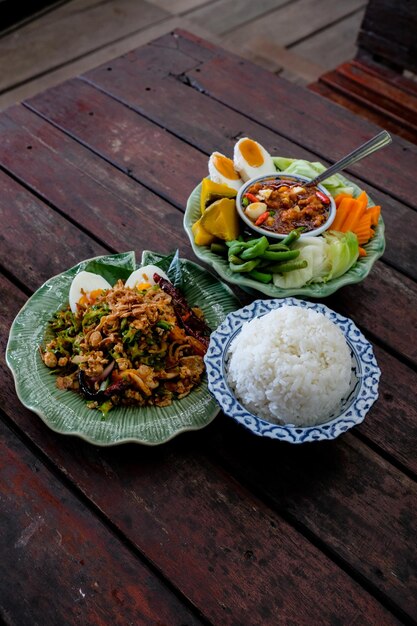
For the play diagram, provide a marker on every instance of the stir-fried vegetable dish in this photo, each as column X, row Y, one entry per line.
column 128, row 346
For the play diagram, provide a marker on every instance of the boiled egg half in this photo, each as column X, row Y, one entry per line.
column 222, row 170
column 85, row 288
column 143, row 277
column 251, row 159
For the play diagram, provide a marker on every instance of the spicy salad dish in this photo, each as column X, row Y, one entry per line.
column 136, row 343
column 259, row 224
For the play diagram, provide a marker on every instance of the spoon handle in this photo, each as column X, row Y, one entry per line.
column 377, row 142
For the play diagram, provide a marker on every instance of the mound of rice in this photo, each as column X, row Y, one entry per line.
column 291, row 366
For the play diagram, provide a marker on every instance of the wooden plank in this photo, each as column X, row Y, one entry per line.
column 377, row 117
column 375, row 92
column 382, row 286
column 150, row 154
column 195, row 118
column 227, row 15
column 85, row 188
column 294, row 21
column 310, row 121
column 129, row 146
column 31, row 258
column 72, row 36
column 87, row 62
column 178, row 6
column 213, row 549
column 49, row 536
column 333, row 45
column 393, row 423
column 337, row 493
column 282, row 59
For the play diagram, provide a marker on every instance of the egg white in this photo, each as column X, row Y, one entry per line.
column 219, row 177
column 248, row 171
column 85, row 283
column 144, row 275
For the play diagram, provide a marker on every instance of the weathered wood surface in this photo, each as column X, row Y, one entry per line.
column 77, row 35
column 68, row 568
column 230, row 528
column 111, row 22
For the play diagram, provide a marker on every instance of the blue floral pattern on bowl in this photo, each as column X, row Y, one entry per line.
column 362, row 394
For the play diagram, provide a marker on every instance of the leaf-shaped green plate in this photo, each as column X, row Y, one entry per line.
column 375, row 248
column 65, row 411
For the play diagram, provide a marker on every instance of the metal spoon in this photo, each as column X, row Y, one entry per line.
column 379, row 141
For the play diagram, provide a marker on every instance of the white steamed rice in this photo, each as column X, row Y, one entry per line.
column 290, row 366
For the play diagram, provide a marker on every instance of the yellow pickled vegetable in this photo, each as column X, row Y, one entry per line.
column 201, row 236
column 221, row 219
column 211, row 191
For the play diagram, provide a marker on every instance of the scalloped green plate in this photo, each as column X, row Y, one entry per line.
column 375, row 248
column 65, row 411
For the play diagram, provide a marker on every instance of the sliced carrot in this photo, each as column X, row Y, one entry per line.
column 363, row 230
column 362, row 199
column 353, row 214
column 374, row 212
column 353, row 217
column 362, row 251
column 342, row 212
column 338, row 199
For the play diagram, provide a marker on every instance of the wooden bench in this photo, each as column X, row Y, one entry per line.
column 375, row 83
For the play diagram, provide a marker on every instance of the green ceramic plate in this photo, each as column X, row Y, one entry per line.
column 65, row 411
column 375, row 248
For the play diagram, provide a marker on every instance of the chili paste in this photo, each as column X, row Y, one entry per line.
column 289, row 204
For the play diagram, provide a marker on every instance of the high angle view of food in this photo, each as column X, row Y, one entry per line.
column 209, row 316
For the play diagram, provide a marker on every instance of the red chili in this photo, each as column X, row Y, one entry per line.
column 322, row 196
column 262, row 218
column 251, row 197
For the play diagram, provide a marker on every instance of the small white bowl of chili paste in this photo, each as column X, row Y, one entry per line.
column 275, row 204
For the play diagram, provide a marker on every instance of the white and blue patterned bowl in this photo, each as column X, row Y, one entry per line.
column 363, row 390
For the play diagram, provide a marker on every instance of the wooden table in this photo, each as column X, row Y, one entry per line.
column 217, row 526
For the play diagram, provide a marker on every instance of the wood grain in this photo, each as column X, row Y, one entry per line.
column 333, row 46
column 147, row 152
column 49, row 536
column 339, row 492
column 65, row 37
column 223, row 16
column 87, row 189
column 34, row 255
column 287, row 25
column 384, row 120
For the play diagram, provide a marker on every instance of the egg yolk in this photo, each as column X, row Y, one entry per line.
column 91, row 297
column 143, row 286
column 251, row 153
column 225, row 167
